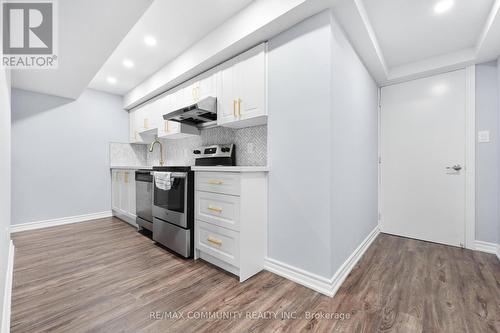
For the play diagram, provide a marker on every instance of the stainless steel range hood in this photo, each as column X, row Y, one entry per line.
column 202, row 114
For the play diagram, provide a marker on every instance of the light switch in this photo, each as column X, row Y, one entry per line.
column 483, row 136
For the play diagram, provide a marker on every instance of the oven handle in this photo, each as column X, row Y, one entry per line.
column 177, row 175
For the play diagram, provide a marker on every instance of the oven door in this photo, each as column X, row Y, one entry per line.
column 170, row 205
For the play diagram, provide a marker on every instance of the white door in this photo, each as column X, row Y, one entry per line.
column 422, row 158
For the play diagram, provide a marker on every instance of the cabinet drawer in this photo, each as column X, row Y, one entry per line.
column 218, row 182
column 219, row 242
column 219, row 209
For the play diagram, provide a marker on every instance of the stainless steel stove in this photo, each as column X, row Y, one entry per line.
column 173, row 208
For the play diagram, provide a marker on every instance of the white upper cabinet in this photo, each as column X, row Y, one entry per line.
column 207, row 84
column 143, row 126
column 239, row 85
column 242, row 96
column 226, row 102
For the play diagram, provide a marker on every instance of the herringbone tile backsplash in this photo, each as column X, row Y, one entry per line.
column 251, row 147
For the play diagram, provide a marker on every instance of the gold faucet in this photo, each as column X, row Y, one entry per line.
column 161, row 150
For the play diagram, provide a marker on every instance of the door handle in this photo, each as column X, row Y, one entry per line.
column 456, row 167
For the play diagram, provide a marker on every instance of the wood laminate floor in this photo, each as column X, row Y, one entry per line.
column 103, row 276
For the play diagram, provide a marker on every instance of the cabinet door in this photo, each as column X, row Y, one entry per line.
column 226, row 99
column 192, row 93
column 132, row 130
column 147, row 116
column 178, row 98
column 124, row 191
column 131, row 194
column 115, row 190
column 251, row 83
column 207, row 84
column 165, row 106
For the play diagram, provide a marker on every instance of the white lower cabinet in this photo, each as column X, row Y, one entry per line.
column 231, row 220
column 123, row 195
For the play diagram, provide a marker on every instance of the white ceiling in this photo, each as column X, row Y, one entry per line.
column 410, row 30
column 89, row 31
column 404, row 39
column 176, row 25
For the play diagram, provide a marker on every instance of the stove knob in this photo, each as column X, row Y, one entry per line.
column 225, row 150
column 196, row 152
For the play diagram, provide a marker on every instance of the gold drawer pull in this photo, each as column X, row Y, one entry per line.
column 215, row 209
column 235, row 102
column 215, row 182
column 214, row 241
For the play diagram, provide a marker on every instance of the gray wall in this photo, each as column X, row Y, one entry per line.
column 322, row 139
column 299, row 103
column 5, row 180
column 487, row 165
column 354, row 135
column 60, row 156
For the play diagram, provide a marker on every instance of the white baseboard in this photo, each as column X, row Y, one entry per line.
column 487, row 247
column 59, row 221
column 7, row 295
column 318, row 283
column 300, row 276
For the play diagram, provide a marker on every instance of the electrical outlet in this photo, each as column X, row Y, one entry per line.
column 250, row 148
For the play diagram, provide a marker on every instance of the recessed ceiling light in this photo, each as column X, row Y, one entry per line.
column 128, row 63
column 443, row 6
column 111, row 80
column 150, row 40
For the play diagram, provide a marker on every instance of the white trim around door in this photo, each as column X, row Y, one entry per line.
column 470, row 158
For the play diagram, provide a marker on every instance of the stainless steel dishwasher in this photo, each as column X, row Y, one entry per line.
column 144, row 199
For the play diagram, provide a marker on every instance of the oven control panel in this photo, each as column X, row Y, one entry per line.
column 214, row 151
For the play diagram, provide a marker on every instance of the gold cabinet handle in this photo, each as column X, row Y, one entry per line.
column 167, row 127
column 214, row 209
column 215, row 182
column 146, row 123
column 234, row 107
column 214, row 241
column 136, row 135
column 126, row 178
column 239, row 107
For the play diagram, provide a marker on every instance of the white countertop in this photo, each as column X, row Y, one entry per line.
column 130, row 167
column 201, row 168
column 231, row 168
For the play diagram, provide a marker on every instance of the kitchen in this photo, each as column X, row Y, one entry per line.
column 252, row 171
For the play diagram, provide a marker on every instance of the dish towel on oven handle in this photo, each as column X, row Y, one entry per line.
column 163, row 180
